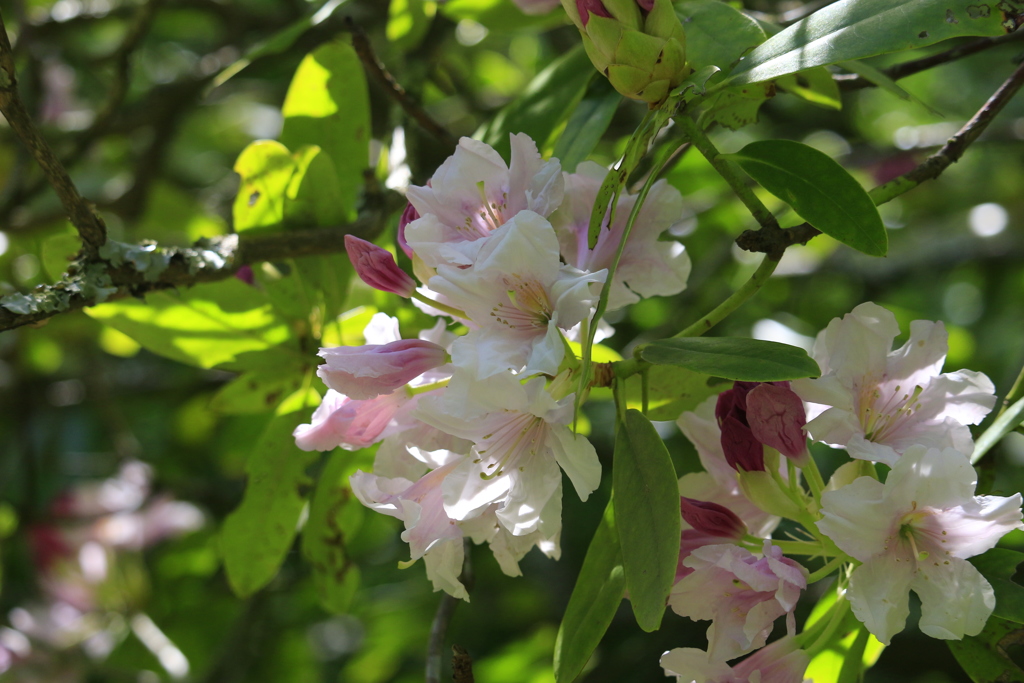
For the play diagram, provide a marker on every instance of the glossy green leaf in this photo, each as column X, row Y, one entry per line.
column 878, row 77
column 850, row 651
column 311, row 196
column 672, row 390
column 818, row 189
column 545, row 103
column 984, row 656
column 747, row 360
column 335, row 515
column 206, row 326
column 408, row 21
column 1004, row 424
column 999, row 565
column 328, row 105
column 856, row 29
column 587, row 124
column 813, row 85
column 257, row 535
column 646, row 517
column 716, row 33
column 595, row 599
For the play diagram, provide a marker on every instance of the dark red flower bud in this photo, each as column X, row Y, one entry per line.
column 588, row 7
column 408, row 216
column 742, row 450
column 711, row 518
column 776, row 416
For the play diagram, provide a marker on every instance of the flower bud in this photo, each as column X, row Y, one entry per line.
column 742, row 450
column 408, row 216
column 711, row 518
column 776, row 417
column 638, row 44
column 362, row 372
column 377, row 268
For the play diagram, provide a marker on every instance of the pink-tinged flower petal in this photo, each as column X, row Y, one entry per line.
column 740, row 593
column 781, row 662
column 588, row 7
column 691, row 665
column 649, row 266
column 362, row 372
column 377, row 268
column 776, row 417
column 408, row 216
column 876, row 402
column 340, row 421
column 913, row 533
column 712, row 519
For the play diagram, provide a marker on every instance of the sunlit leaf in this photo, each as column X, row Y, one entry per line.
column 818, row 189
column 646, row 517
column 856, row 29
column 328, row 105
column 813, row 85
column 205, row 326
column 747, row 360
column 265, row 167
column 671, row 391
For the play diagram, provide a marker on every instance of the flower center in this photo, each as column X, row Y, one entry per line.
column 880, row 419
column 518, row 438
column 528, row 306
column 485, row 218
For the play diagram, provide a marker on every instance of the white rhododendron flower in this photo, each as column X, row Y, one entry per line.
column 474, row 193
column 649, row 267
column 781, row 662
column 742, row 594
column 518, row 294
column 876, row 403
column 914, row 533
column 520, row 438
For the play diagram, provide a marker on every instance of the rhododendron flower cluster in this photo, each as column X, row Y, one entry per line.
column 472, row 440
column 914, row 532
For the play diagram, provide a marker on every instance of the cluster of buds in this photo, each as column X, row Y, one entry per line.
column 639, row 45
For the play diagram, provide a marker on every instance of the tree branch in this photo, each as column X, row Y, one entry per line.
column 774, row 240
column 120, row 270
column 849, row 82
column 89, row 225
column 376, row 69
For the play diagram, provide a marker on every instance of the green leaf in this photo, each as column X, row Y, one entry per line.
column 716, row 33
column 408, row 21
column 671, row 391
column 737, row 107
column 850, row 651
column 335, row 515
column 879, row 78
column 813, row 85
column 328, row 105
column 856, row 29
column 499, row 15
column 595, row 599
column 818, row 189
column 998, row 566
column 256, row 391
column 984, row 656
column 646, row 517
column 257, row 535
column 313, row 190
column 205, row 326
column 587, row 124
column 741, row 359
column 1004, row 424
column 56, row 252
column 545, row 103
column 266, row 167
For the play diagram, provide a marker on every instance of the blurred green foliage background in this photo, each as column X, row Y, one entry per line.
column 78, row 399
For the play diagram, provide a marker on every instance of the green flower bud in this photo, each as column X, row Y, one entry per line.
column 642, row 53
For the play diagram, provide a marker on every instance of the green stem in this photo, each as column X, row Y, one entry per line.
column 645, row 386
column 839, row 611
column 829, row 567
column 440, row 306
column 809, row 548
column 814, row 479
column 726, row 169
column 749, row 288
column 413, row 391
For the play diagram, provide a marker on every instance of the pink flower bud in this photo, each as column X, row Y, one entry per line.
column 340, row 421
column 777, row 418
column 377, row 268
column 362, row 372
column 408, row 216
column 711, row 518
